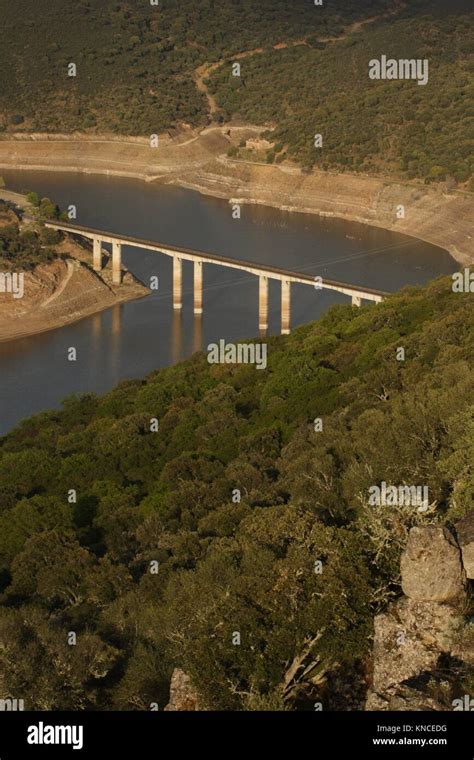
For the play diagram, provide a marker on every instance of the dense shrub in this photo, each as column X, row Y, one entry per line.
column 259, row 597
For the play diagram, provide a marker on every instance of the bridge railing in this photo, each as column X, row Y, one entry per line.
column 179, row 254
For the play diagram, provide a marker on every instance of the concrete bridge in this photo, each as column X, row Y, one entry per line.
column 199, row 258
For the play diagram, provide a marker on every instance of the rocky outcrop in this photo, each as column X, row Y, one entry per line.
column 431, row 565
column 183, row 697
column 424, row 638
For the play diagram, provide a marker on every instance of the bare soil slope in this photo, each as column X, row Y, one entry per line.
column 61, row 292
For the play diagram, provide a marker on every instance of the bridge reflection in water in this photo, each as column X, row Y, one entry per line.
column 264, row 272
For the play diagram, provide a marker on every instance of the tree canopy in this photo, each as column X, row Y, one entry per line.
column 235, row 539
column 136, row 74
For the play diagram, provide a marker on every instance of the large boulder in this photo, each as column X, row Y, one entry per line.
column 420, row 635
column 431, row 566
column 465, row 535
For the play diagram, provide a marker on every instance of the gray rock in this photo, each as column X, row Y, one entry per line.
column 431, row 565
column 465, row 535
column 419, row 633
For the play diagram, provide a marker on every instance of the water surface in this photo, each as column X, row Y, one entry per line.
column 130, row 340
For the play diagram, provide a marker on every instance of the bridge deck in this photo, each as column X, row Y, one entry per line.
column 195, row 255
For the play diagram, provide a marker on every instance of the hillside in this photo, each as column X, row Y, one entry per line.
column 47, row 278
column 145, row 69
column 389, row 127
column 22, row 249
column 135, row 62
column 159, row 521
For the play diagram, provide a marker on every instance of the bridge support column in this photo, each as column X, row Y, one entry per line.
column 97, row 255
column 198, row 287
column 356, row 301
column 177, row 282
column 263, row 303
column 116, row 263
column 285, row 307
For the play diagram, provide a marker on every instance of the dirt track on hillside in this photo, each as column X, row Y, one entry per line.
column 204, row 71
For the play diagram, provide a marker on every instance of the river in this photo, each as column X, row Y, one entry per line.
column 130, row 340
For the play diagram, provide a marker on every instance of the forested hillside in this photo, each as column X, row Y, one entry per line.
column 393, row 127
column 137, row 70
column 135, row 61
column 121, row 521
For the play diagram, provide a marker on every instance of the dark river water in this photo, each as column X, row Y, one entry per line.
column 130, row 340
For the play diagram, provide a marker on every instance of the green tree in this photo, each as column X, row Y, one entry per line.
column 33, row 198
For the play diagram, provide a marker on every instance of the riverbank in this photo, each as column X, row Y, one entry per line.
column 62, row 291
column 199, row 161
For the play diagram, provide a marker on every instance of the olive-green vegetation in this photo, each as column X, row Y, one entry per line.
column 135, row 539
column 135, row 62
column 24, row 249
column 42, row 209
column 136, row 67
column 368, row 125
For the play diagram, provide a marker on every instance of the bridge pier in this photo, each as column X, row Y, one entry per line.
column 97, row 255
column 285, row 307
column 177, row 282
column 356, row 301
column 198, row 287
column 263, row 303
column 116, row 263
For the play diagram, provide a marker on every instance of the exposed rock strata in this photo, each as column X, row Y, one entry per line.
column 435, row 214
